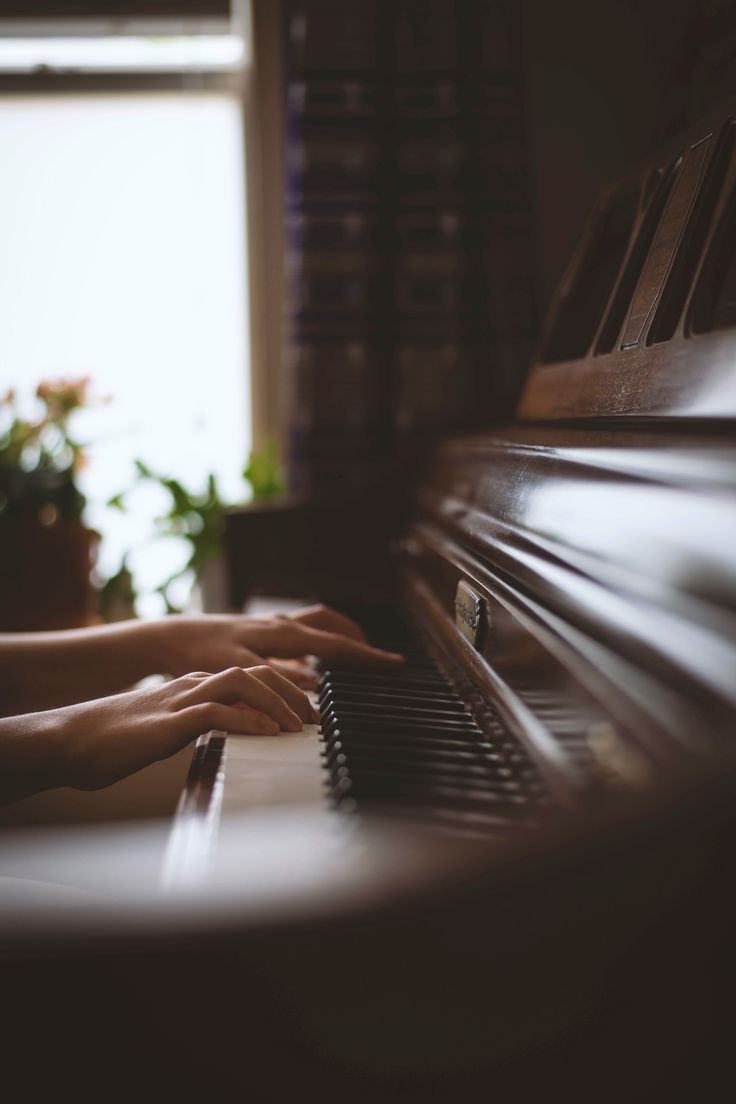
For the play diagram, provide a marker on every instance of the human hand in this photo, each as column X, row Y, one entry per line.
column 217, row 641
column 102, row 741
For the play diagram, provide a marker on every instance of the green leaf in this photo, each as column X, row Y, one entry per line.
column 262, row 472
column 143, row 470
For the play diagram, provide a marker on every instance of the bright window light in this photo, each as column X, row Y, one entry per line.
column 122, row 222
column 181, row 53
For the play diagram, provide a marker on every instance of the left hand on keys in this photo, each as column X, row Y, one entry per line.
column 216, row 641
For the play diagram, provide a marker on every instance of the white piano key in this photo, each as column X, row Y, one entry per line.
column 273, row 771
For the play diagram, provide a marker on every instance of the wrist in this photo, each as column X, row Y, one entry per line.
column 153, row 644
column 35, row 754
column 139, row 648
column 55, row 738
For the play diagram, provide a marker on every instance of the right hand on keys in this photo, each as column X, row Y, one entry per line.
column 96, row 743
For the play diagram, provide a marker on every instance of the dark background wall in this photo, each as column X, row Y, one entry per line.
column 602, row 84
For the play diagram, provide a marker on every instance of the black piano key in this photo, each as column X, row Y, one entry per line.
column 441, row 790
column 454, row 739
column 385, row 696
column 382, row 743
column 457, row 755
column 380, row 790
column 372, row 692
column 389, row 709
column 337, row 699
column 422, row 771
column 381, row 752
column 378, row 710
column 413, row 700
column 469, row 764
column 408, row 691
column 370, row 679
column 404, row 728
column 355, row 730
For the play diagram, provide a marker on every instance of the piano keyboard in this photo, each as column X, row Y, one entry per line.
column 410, row 744
column 406, row 742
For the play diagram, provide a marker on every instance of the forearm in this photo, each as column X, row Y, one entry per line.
column 96, row 743
column 44, row 670
column 32, row 755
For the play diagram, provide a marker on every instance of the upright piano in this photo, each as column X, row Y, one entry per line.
column 564, row 585
column 507, row 867
column 560, row 744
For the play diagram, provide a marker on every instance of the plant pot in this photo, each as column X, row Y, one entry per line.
column 211, row 588
column 41, row 494
column 45, row 574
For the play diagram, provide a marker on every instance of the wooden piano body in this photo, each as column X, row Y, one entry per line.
column 572, row 576
column 598, row 530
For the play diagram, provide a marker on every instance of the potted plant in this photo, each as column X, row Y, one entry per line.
column 46, row 552
column 198, row 518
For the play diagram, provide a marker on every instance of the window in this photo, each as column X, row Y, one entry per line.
column 122, row 223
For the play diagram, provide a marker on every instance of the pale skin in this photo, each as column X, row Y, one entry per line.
column 71, row 725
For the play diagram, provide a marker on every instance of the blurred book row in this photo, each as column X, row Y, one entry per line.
column 409, row 244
